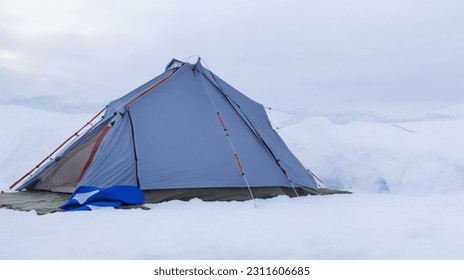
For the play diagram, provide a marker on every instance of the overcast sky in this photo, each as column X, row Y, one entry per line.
column 296, row 53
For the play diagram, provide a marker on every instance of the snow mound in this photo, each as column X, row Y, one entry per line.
column 409, row 155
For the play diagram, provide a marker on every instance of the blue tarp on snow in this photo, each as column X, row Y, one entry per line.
column 88, row 197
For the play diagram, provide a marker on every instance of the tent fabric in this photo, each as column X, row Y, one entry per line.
column 62, row 173
column 120, row 170
column 42, row 202
column 203, row 155
column 45, row 202
column 254, row 113
column 232, row 194
column 186, row 129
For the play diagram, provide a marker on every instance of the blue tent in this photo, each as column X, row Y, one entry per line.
column 184, row 134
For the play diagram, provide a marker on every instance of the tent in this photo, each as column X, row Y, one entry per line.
column 184, row 134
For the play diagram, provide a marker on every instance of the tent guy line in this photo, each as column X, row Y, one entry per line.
column 240, row 167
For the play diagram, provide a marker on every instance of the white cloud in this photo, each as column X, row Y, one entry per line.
column 294, row 52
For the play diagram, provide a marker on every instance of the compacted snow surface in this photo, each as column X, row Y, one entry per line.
column 405, row 168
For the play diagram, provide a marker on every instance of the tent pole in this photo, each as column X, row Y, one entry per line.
column 242, row 173
column 253, row 130
column 149, row 89
column 54, row 151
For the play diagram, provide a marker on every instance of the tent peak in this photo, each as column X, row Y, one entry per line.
column 174, row 64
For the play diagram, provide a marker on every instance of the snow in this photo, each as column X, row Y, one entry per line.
column 409, row 154
column 29, row 135
column 405, row 166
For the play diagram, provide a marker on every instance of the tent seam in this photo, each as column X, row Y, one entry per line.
column 136, row 159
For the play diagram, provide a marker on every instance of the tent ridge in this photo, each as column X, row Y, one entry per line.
column 150, row 89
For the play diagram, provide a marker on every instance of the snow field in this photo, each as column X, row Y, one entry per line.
column 406, row 174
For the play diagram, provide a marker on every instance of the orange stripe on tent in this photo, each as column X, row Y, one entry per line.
column 94, row 151
column 149, row 89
